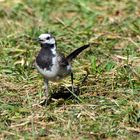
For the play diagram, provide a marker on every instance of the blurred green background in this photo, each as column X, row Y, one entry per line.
column 108, row 104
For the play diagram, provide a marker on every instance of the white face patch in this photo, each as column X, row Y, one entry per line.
column 46, row 38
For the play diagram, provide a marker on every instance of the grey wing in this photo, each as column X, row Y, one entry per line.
column 65, row 67
column 62, row 60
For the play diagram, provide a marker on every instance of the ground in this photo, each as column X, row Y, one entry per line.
column 108, row 104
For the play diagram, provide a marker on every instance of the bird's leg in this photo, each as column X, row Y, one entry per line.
column 46, row 89
column 72, row 82
column 45, row 102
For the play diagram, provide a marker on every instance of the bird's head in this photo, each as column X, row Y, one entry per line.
column 46, row 39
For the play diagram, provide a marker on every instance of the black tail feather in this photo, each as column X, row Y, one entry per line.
column 72, row 55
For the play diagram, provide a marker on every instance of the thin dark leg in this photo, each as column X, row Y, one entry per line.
column 45, row 102
column 46, row 88
column 72, row 81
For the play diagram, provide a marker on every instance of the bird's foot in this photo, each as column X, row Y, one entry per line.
column 45, row 102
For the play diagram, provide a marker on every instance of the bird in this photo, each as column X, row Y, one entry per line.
column 53, row 65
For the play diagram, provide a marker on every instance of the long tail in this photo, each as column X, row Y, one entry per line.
column 72, row 55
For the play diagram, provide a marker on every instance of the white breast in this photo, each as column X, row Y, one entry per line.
column 52, row 73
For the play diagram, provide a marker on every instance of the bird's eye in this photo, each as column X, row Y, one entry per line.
column 48, row 38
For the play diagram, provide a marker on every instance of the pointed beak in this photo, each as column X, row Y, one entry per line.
column 37, row 40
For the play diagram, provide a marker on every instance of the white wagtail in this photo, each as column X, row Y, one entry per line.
column 52, row 64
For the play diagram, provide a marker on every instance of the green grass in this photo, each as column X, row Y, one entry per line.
column 108, row 105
